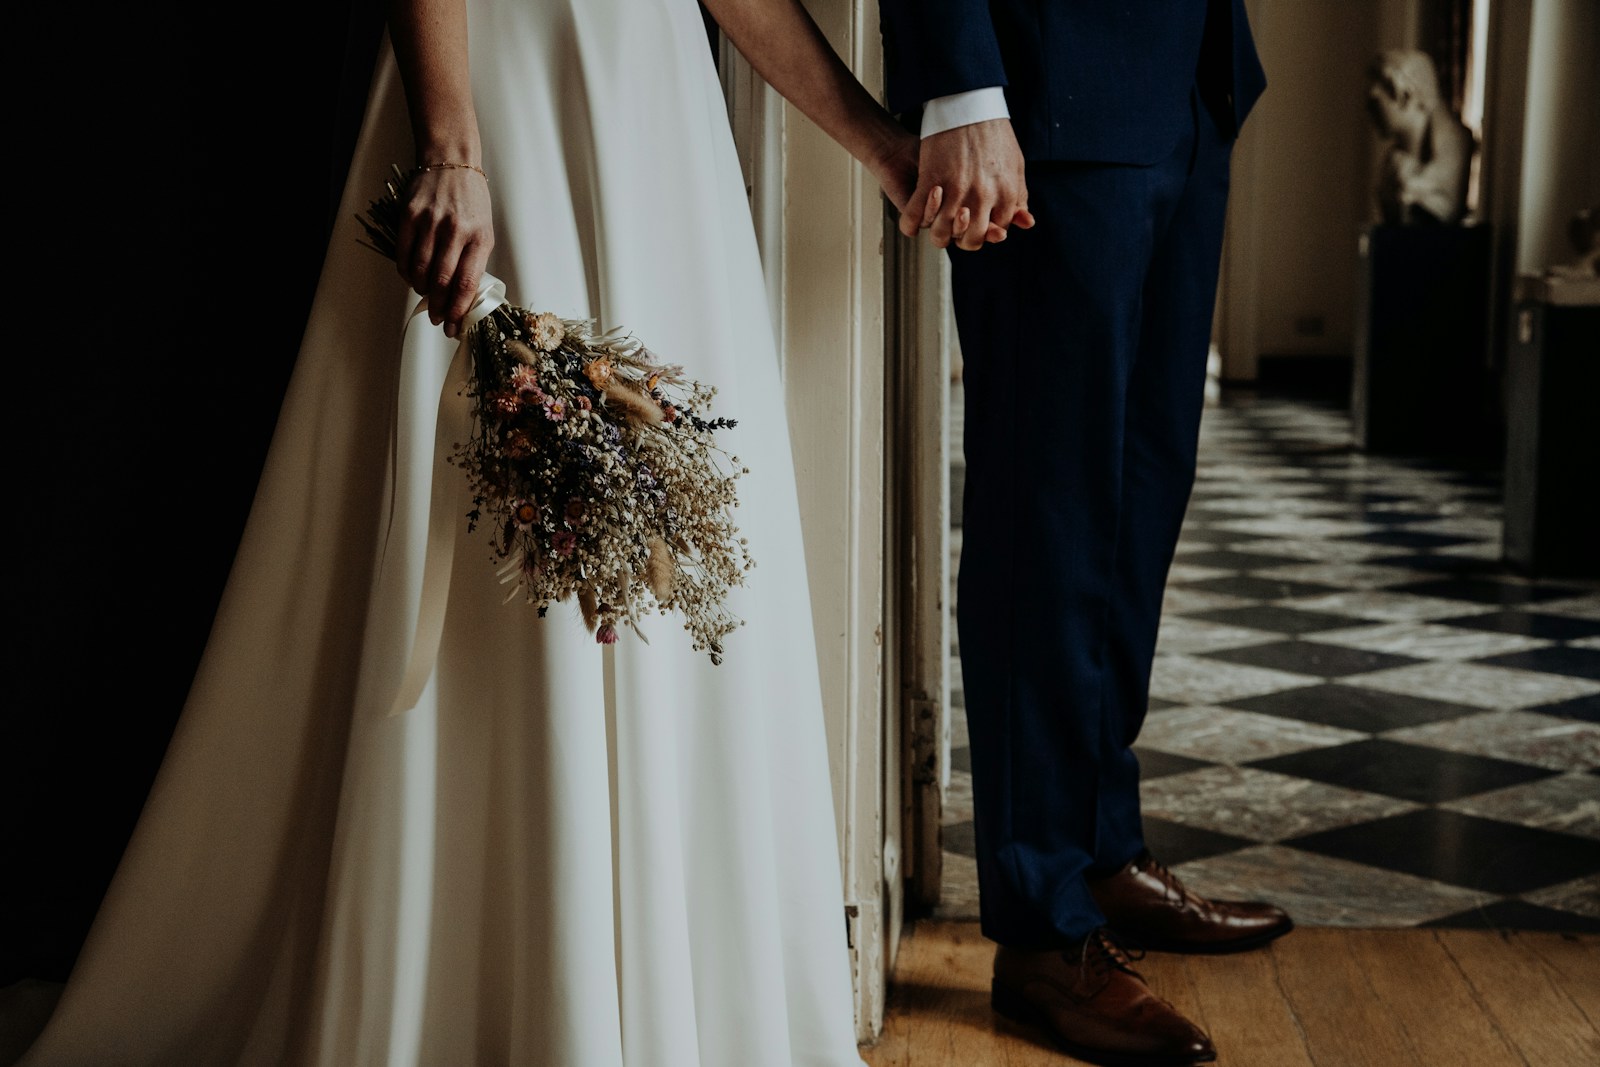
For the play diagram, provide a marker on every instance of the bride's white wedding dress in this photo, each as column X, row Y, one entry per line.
column 565, row 855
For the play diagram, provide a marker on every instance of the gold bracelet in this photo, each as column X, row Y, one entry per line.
column 419, row 168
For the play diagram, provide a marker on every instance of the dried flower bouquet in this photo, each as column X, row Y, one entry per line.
column 594, row 469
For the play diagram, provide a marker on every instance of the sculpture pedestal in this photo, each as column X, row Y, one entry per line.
column 1552, row 495
column 1420, row 382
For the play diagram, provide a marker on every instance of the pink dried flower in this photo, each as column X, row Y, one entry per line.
column 575, row 512
column 565, row 542
column 555, row 409
column 525, row 380
column 525, row 514
column 606, row 635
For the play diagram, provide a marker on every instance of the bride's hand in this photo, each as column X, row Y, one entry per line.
column 446, row 233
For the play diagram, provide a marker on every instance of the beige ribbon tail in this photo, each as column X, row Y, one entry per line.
column 454, row 422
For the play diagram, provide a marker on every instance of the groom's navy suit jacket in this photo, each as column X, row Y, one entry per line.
column 1093, row 80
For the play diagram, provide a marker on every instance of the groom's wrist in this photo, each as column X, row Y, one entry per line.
column 963, row 109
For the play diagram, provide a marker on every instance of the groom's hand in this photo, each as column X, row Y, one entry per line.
column 971, row 186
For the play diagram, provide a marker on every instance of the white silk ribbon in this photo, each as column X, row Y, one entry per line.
column 444, row 514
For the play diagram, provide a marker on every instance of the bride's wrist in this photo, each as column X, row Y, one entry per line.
column 450, row 146
column 888, row 147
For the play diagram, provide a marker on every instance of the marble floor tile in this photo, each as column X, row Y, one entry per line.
column 1350, row 576
column 1384, row 605
column 1436, row 562
column 1251, row 473
column 958, row 888
column 1182, row 635
column 1223, row 735
column 1500, row 590
column 1581, row 896
column 1352, row 473
column 1496, row 688
column 1427, row 640
column 1538, row 740
column 1294, row 526
column 1579, row 607
column 1565, row 660
column 1482, row 551
column 1260, row 805
column 1304, row 655
column 1193, row 680
column 1421, row 773
column 1369, row 711
column 1511, row 914
column 1569, row 803
column 1212, row 491
column 1486, row 529
column 1322, row 551
column 1263, row 505
column 1209, row 536
column 1461, row 850
column 1175, row 842
column 1427, row 510
column 1235, row 559
column 1529, row 624
column 1325, row 891
column 1406, row 537
column 1276, row 618
column 1260, row 588
column 1184, row 573
column 1155, row 764
column 958, row 798
column 1180, row 601
column 959, row 838
column 1586, row 709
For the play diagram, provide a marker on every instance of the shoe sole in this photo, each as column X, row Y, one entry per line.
column 1194, row 948
column 1018, row 1009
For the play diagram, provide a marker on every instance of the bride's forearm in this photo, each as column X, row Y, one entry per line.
column 430, row 46
column 787, row 49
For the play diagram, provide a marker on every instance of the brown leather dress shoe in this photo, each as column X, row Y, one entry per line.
column 1096, row 1006
column 1147, row 905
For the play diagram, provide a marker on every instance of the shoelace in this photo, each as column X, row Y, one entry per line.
column 1102, row 953
column 1173, row 888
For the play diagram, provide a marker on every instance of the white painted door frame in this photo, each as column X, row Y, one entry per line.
column 819, row 222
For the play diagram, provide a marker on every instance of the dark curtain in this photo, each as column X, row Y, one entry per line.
column 183, row 214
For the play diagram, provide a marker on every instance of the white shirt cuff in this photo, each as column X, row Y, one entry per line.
column 963, row 109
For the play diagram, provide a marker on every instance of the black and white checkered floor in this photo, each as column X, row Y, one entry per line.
column 1357, row 711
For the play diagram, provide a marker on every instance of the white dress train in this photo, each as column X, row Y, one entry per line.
column 565, row 855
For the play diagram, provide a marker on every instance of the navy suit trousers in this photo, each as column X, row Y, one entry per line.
column 1084, row 344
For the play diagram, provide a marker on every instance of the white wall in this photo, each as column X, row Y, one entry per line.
column 1302, row 181
column 1561, row 135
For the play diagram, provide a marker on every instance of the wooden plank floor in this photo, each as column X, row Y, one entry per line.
column 1318, row 997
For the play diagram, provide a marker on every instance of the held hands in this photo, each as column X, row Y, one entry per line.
column 445, row 237
column 970, row 187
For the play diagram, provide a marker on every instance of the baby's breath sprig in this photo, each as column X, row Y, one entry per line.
column 594, row 469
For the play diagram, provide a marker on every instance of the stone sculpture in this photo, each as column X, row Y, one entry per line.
column 1423, row 179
